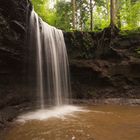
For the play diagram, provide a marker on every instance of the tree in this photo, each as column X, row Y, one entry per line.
column 107, row 9
column 78, row 14
column 63, row 15
column 118, row 16
column 82, row 14
column 73, row 13
column 112, row 13
column 41, row 7
column 91, row 15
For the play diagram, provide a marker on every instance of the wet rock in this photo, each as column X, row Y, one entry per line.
column 106, row 67
column 17, row 26
column 13, row 52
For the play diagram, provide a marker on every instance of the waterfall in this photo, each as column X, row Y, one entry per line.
column 53, row 81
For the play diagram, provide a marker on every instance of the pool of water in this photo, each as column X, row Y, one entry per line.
column 102, row 122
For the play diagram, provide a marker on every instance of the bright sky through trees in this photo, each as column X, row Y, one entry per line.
column 53, row 2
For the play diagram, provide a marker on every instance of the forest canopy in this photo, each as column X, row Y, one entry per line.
column 89, row 15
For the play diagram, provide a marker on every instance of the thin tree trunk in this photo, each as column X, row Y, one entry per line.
column 118, row 6
column 107, row 8
column 91, row 15
column 73, row 13
column 80, row 16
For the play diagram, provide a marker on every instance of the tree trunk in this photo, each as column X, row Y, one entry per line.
column 113, row 28
column 112, row 13
column 91, row 15
column 118, row 6
column 107, row 9
column 73, row 13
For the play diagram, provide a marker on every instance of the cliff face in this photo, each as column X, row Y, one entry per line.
column 13, row 49
column 104, row 66
column 101, row 65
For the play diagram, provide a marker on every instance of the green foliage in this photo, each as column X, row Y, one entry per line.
column 82, row 14
column 40, row 6
column 100, row 18
column 60, row 15
column 130, row 33
column 91, row 93
column 130, row 15
column 138, row 51
column 63, row 15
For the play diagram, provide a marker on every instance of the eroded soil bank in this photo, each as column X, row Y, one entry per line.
column 102, row 66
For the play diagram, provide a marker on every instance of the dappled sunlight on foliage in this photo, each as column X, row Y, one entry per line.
column 60, row 14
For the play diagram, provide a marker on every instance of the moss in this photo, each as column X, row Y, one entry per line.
column 137, row 53
column 130, row 33
column 91, row 94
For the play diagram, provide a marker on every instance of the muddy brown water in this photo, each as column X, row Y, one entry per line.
column 102, row 122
